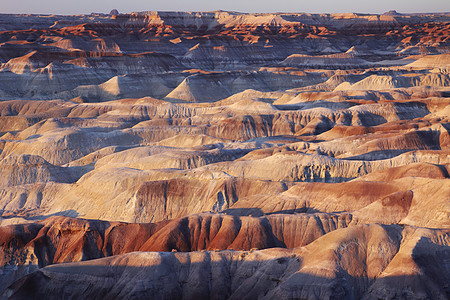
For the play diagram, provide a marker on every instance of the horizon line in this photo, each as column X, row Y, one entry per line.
column 231, row 11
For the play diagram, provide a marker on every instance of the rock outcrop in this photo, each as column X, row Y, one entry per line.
column 188, row 155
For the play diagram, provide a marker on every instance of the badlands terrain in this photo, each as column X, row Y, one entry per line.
column 221, row 155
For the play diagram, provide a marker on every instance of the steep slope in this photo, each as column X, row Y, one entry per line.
column 266, row 274
column 225, row 155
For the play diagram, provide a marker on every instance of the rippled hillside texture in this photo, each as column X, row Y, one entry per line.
column 218, row 155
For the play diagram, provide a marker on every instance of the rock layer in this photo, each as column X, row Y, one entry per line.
column 187, row 155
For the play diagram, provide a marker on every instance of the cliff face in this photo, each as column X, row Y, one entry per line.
column 225, row 155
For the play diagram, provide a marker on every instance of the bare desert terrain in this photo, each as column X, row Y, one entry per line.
column 222, row 155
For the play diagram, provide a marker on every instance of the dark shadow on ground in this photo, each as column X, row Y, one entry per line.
column 209, row 276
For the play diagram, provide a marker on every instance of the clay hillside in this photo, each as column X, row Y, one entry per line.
column 222, row 155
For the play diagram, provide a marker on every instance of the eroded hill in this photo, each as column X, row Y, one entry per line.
column 226, row 156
